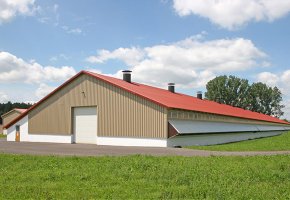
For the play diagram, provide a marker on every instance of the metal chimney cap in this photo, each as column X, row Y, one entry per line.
column 199, row 94
column 127, row 71
column 127, row 75
column 171, row 87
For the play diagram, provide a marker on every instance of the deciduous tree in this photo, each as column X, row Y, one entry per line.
column 238, row 92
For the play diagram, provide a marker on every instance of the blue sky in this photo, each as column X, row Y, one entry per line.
column 43, row 43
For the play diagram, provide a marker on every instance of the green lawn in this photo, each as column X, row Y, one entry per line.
column 276, row 143
column 144, row 177
column 2, row 136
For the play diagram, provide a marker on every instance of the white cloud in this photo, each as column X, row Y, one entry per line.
column 14, row 69
column 287, row 109
column 286, row 76
column 69, row 30
column 131, row 56
column 189, row 63
column 59, row 57
column 268, row 78
column 43, row 90
column 232, row 14
column 281, row 80
column 11, row 8
column 75, row 31
column 49, row 15
column 3, row 97
column 44, row 20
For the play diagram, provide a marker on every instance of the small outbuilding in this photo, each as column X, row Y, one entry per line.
column 98, row 109
column 10, row 116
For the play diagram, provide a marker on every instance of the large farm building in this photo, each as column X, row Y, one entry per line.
column 98, row 109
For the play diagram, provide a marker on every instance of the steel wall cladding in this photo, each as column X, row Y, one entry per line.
column 120, row 113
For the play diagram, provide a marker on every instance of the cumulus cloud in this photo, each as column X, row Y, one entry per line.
column 287, row 109
column 14, row 69
column 43, row 90
column 232, row 14
column 189, row 63
column 286, row 76
column 131, row 56
column 3, row 97
column 11, row 8
column 281, row 80
column 268, row 78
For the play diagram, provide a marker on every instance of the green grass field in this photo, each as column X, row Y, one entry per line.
column 144, row 177
column 276, row 143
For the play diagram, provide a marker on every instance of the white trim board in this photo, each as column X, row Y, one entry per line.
column 50, row 138
column 136, row 142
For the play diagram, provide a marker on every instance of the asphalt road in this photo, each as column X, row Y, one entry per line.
column 97, row 150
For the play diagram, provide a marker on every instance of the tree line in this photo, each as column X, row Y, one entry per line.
column 6, row 107
column 257, row 97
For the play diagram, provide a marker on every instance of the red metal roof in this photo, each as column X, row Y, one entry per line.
column 185, row 102
column 167, row 99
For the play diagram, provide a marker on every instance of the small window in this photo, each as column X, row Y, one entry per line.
column 17, row 127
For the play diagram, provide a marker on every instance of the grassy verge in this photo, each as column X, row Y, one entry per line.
column 2, row 136
column 144, row 177
column 276, row 143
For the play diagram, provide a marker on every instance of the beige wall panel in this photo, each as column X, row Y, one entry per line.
column 1, row 128
column 9, row 117
column 191, row 115
column 120, row 113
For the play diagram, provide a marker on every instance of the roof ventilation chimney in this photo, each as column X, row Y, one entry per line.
column 127, row 75
column 171, row 87
column 199, row 94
